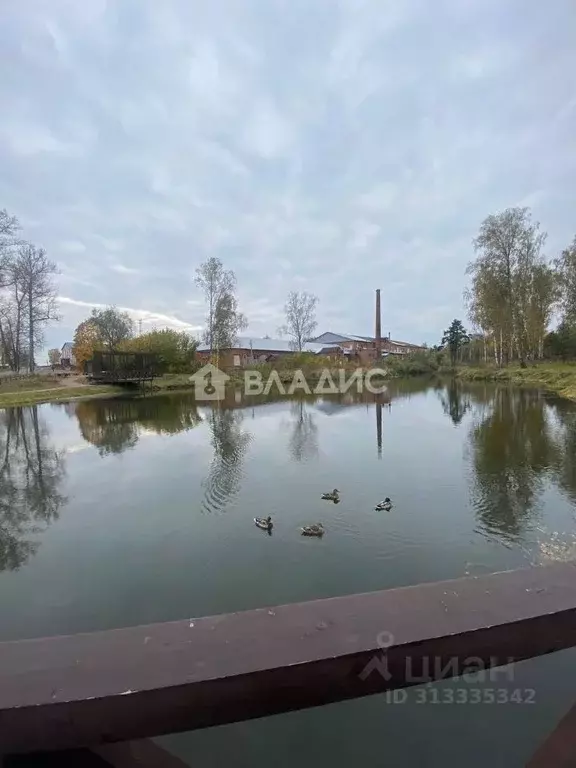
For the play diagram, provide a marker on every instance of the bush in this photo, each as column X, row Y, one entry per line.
column 415, row 364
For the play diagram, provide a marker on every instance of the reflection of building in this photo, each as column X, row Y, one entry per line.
column 249, row 351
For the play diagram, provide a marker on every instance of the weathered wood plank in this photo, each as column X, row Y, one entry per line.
column 90, row 689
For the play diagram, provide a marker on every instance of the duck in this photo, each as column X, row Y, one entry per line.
column 385, row 505
column 264, row 522
column 332, row 496
column 312, row 530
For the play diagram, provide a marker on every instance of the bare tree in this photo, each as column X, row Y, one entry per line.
column 34, row 273
column 300, row 310
column 223, row 320
column 9, row 227
column 112, row 326
column 54, row 357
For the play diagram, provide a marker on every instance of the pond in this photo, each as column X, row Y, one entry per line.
column 124, row 512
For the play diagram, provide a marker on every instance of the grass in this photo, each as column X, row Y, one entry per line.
column 11, row 384
column 555, row 377
column 58, row 395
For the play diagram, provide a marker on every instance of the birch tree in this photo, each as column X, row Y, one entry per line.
column 300, row 311
column 513, row 288
column 224, row 320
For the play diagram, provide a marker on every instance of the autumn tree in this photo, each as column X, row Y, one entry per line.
column 113, row 326
column 513, row 287
column 86, row 340
column 300, row 312
column 223, row 320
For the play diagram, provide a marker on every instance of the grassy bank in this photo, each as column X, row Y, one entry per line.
column 56, row 395
column 555, row 377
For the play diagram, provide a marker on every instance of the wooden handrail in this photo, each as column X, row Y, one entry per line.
column 91, row 689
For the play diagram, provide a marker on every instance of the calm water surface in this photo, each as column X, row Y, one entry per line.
column 122, row 512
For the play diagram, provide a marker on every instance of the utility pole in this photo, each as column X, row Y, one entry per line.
column 140, row 327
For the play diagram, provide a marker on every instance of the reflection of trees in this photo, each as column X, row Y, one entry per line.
column 566, row 457
column 230, row 443
column 31, row 472
column 513, row 447
column 303, row 443
column 455, row 401
column 113, row 426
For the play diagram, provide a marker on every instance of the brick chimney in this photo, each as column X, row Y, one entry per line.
column 378, row 328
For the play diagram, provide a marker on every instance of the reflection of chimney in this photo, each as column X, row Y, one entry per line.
column 378, row 328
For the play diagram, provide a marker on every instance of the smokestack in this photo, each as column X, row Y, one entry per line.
column 378, row 328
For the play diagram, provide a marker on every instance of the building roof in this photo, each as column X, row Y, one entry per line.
column 335, row 338
column 267, row 345
column 68, row 345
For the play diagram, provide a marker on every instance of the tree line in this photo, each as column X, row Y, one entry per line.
column 27, row 296
column 113, row 330
column 515, row 290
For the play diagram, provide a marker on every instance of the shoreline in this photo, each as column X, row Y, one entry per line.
column 557, row 378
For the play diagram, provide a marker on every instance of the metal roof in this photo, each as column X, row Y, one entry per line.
column 267, row 345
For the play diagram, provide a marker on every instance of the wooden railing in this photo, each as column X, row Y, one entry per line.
column 91, row 691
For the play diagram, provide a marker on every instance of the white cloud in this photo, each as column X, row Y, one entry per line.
column 121, row 269
column 334, row 149
column 147, row 316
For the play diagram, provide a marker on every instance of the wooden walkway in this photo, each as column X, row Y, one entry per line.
column 91, row 690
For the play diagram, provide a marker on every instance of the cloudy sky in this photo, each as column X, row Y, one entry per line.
column 335, row 146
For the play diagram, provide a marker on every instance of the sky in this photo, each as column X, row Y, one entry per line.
column 333, row 146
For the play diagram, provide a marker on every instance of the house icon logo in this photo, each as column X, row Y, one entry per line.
column 209, row 383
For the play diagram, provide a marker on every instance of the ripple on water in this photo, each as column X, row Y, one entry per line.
column 556, row 547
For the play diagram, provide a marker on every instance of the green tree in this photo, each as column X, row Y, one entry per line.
column 113, row 327
column 455, row 337
column 561, row 342
column 175, row 349
column 566, row 266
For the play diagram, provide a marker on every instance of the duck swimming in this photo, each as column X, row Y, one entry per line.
column 264, row 522
column 332, row 496
column 312, row 530
column 385, row 505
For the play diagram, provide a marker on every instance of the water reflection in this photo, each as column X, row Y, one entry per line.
column 31, row 472
column 455, row 401
column 566, row 457
column 230, row 443
column 114, row 426
column 303, row 443
column 514, row 448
